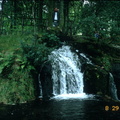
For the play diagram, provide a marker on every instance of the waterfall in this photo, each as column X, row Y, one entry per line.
column 88, row 61
column 40, row 86
column 112, row 87
column 66, row 74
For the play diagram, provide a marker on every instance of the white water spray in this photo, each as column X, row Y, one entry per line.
column 66, row 74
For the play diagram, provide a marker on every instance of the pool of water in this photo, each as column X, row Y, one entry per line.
column 61, row 109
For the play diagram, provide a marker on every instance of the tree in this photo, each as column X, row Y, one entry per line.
column 102, row 16
column 0, row 17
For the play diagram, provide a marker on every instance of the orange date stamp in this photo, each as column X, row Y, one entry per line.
column 112, row 108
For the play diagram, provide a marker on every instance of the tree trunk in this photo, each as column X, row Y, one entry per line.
column 61, row 14
column 40, row 21
column 1, row 18
column 66, row 16
column 50, row 14
column 15, row 13
column 0, row 22
column 33, row 15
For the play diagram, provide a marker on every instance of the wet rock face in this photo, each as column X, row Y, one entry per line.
column 95, row 80
column 116, row 75
column 46, row 81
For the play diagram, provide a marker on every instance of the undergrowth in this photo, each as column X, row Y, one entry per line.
column 39, row 47
column 16, row 82
column 20, row 57
column 10, row 42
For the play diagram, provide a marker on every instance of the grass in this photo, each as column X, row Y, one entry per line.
column 10, row 42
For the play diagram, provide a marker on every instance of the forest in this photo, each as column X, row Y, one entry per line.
column 76, row 17
column 27, row 37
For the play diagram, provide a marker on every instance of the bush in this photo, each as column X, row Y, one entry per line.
column 37, row 50
column 51, row 40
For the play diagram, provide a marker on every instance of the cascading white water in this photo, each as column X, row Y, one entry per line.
column 87, row 59
column 66, row 74
column 40, row 86
column 112, row 87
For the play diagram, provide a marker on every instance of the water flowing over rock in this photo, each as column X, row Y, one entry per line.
column 112, row 88
column 40, row 86
column 66, row 74
column 88, row 61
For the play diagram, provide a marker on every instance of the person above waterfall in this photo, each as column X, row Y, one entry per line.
column 56, row 17
column 97, row 35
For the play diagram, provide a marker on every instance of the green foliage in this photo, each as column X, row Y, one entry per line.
column 6, row 63
column 17, row 88
column 12, row 61
column 103, row 62
column 51, row 40
column 10, row 42
column 16, row 64
column 100, row 16
column 16, row 83
column 106, row 62
column 39, row 48
column 95, row 80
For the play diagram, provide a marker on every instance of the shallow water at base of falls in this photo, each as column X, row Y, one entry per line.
column 73, row 96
